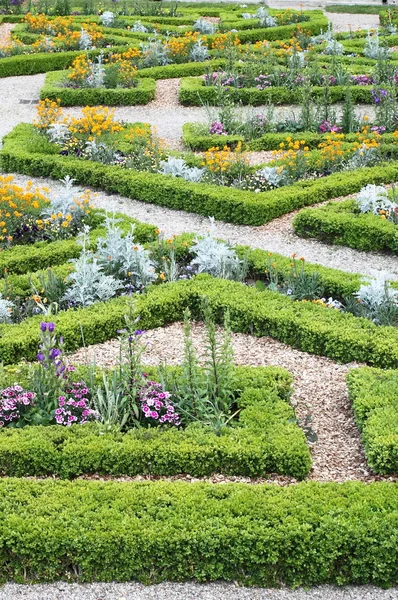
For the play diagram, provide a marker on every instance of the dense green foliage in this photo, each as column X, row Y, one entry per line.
column 374, row 396
column 339, row 223
column 68, row 96
column 307, row 534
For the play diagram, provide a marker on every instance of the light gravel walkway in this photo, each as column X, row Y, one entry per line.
column 352, row 22
column 187, row 591
column 276, row 236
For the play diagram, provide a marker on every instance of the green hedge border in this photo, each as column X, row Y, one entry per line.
column 193, row 92
column 303, row 325
column 232, row 205
column 338, row 223
column 42, row 62
column 196, row 138
column 306, row 534
column 374, row 396
column 53, row 90
column 265, row 440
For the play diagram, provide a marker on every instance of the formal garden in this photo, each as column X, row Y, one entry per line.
column 198, row 294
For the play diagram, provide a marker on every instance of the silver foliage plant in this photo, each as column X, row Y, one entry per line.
column 88, row 281
column 273, row 175
column 204, row 27
column 373, row 47
column 374, row 198
column 120, row 255
column 139, row 27
column 177, row 167
column 217, row 258
column 65, row 202
column 58, row 133
column 265, row 18
column 199, row 52
column 376, row 292
column 107, row 18
column 85, row 42
column 6, row 307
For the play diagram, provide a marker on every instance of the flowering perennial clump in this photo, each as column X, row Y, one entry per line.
column 156, row 405
column 73, row 407
column 14, row 402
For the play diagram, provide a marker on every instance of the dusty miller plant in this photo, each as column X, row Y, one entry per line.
column 6, row 307
column 177, row 167
column 88, row 281
column 374, row 198
column 204, row 27
column 217, row 258
column 120, row 255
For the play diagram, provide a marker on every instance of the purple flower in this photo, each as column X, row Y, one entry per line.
column 40, row 356
column 43, row 326
column 54, row 353
column 51, row 327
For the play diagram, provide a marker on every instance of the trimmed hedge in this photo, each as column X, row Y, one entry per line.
column 196, row 138
column 303, row 325
column 374, row 396
column 193, row 92
column 42, row 62
column 228, row 204
column 21, row 259
column 339, row 223
column 53, row 90
column 265, row 440
column 305, row 534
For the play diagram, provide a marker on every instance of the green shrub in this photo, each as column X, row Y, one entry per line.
column 374, row 396
column 53, row 90
column 305, row 534
column 30, row 64
column 338, row 223
column 306, row 326
column 193, row 92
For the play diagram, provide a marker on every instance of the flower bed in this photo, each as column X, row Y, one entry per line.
column 373, row 394
column 54, row 90
column 265, row 440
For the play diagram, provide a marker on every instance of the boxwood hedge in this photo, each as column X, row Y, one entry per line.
column 304, row 534
column 340, row 223
column 53, row 89
column 306, row 326
column 374, row 397
column 193, row 92
column 19, row 154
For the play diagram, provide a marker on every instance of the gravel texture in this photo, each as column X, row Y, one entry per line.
column 276, row 236
column 5, row 31
column 352, row 22
column 186, row 591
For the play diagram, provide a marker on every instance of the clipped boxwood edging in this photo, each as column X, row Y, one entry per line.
column 338, row 223
column 266, row 440
column 193, row 92
column 227, row 204
column 303, row 325
column 54, row 90
column 196, row 138
column 42, row 62
column 374, row 397
column 305, row 534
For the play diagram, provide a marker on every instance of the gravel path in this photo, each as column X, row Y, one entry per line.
column 186, row 591
column 352, row 22
column 320, row 393
column 5, row 33
column 276, row 236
